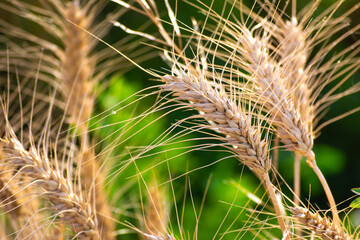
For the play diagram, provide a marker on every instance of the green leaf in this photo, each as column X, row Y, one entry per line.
column 356, row 191
column 355, row 203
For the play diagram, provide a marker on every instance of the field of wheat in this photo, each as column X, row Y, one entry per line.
column 164, row 120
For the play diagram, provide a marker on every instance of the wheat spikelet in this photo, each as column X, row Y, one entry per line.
column 320, row 225
column 294, row 51
column 293, row 133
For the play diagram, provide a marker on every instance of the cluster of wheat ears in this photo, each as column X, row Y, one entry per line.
column 253, row 79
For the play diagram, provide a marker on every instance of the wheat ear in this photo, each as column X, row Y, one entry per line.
column 77, row 72
column 320, row 225
column 71, row 208
column 230, row 120
column 16, row 203
column 293, row 52
column 296, row 135
column 156, row 213
column 292, row 132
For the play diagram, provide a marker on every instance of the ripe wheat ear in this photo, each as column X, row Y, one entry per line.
column 231, row 120
column 71, row 207
column 320, row 225
column 268, row 58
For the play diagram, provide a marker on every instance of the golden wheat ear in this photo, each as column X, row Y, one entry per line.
column 69, row 206
column 19, row 202
column 223, row 114
column 305, row 85
column 42, row 198
column 216, row 99
column 322, row 226
column 156, row 213
column 75, row 69
column 293, row 86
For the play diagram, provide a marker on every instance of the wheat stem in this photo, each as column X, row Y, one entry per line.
column 297, row 185
column 297, row 178
column 325, row 185
column 270, row 189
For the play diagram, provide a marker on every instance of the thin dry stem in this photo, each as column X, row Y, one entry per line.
column 297, row 178
column 327, row 190
column 297, row 185
column 270, row 189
